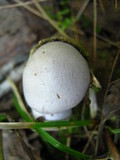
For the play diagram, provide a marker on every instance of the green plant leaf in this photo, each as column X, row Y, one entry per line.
column 22, row 113
column 3, row 117
column 46, row 136
column 63, row 124
column 21, row 106
column 114, row 131
column 34, row 125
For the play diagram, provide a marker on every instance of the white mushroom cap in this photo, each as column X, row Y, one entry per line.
column 56, row 78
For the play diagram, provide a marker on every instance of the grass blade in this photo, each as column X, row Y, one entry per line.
column 46, row 136
column 44, row 125
column 19, row 99
column 3, row 117
column 114, row 131
column 26, row 116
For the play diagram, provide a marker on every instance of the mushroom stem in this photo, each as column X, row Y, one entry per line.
column 53, row 117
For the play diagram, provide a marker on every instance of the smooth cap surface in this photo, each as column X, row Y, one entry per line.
column 55, row 78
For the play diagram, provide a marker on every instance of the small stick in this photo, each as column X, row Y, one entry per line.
column 112, row 71
column 18, row 5
column 112, row 147
column 94, row 30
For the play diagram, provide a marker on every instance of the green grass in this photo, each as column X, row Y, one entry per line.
column 37, row 126
column 114, row 131
column 48, row 138
column 3, row 117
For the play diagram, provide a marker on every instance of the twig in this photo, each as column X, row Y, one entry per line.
column 19, row 5
column 116, row 44
column 116, row 5
column 30, row 9
column 82, row 9
column 111, row 74
column 19, row 99
column 27, row 149
column 42, row 11
column 68, row 144
column 101, row 127
column 29, row 125
column 42, row 14
column 113, row 66
column 16, row 125
column 1, row 148
column 94, row 30
column 112, row 147
column 101, row 6
column 89, row 141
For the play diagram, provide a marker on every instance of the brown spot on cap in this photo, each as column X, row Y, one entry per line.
column 58, row 96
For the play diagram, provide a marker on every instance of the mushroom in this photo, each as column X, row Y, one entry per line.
column 55, row 79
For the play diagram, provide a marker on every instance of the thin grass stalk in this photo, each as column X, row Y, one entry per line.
column 43, row 13
column 94, row 31
column 116, row 5
column 45, row 125
column 19, row 5
column 48, row 138
column 18, row 97
column 102, row 6
column 81, row 11
column 1, row 147
column 30, row 9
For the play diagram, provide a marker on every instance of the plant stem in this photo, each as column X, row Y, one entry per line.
column 1, row 147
